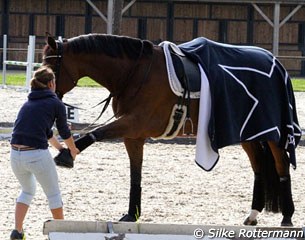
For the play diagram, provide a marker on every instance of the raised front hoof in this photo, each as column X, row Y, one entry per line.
column 286, row 222
column 128, row 218
column 249, row 222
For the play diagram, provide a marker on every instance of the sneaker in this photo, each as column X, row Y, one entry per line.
column 15, row 235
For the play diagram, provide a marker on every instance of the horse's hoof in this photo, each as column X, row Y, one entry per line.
column 286, row 222
column 249, row 222
column 128, row 218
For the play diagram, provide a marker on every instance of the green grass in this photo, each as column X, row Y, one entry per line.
column 19, row 80
column 298, row 84
column 14, row 79
column 87, row 82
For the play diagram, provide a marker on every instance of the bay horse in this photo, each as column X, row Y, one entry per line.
column 135, row 73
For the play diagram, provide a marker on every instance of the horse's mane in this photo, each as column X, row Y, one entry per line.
column 111, row 45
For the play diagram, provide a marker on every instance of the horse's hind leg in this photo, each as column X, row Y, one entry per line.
column 255, row 153
column 282, row 164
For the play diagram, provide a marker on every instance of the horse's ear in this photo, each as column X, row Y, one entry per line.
column 51, row 41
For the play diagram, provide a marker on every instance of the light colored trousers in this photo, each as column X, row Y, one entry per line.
column 29, row 166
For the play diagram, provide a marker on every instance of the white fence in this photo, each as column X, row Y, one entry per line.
column 29, row 64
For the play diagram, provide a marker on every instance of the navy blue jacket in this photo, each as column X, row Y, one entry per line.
column 33, row 126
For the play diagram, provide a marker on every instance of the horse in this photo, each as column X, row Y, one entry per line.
column 135, row 73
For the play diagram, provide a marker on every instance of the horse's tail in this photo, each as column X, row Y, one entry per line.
column 271, row 181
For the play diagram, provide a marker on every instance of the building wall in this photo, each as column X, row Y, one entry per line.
column 156, row 21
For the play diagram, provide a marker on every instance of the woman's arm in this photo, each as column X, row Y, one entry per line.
column 55, row 143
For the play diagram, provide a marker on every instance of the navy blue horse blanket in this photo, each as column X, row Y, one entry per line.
column 251, row 95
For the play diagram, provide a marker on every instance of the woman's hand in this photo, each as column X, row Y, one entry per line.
column 74, row 152
column 71, row 145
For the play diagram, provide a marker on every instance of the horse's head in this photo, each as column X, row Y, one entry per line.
column 53, row 56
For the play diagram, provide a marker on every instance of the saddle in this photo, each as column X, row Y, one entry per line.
column 186, row 70
column 189, row 76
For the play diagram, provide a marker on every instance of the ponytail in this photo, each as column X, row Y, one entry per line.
column 41, row 77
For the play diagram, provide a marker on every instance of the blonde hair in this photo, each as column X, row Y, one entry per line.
column 41, row 77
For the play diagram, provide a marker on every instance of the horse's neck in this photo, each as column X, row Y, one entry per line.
column 108, row 72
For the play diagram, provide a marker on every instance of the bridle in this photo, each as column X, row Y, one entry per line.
column 58, row 56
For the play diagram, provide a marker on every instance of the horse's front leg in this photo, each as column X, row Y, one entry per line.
column 134, row 148
column 125, row 128
column 120, row 128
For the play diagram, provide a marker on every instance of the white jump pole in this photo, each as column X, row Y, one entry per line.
column 29, row 64
column 4, row 59
column 30, row 61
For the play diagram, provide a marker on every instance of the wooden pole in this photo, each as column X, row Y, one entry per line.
column 115, row 8
column 109, row 16
column 117, row 16
column 276, row 29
